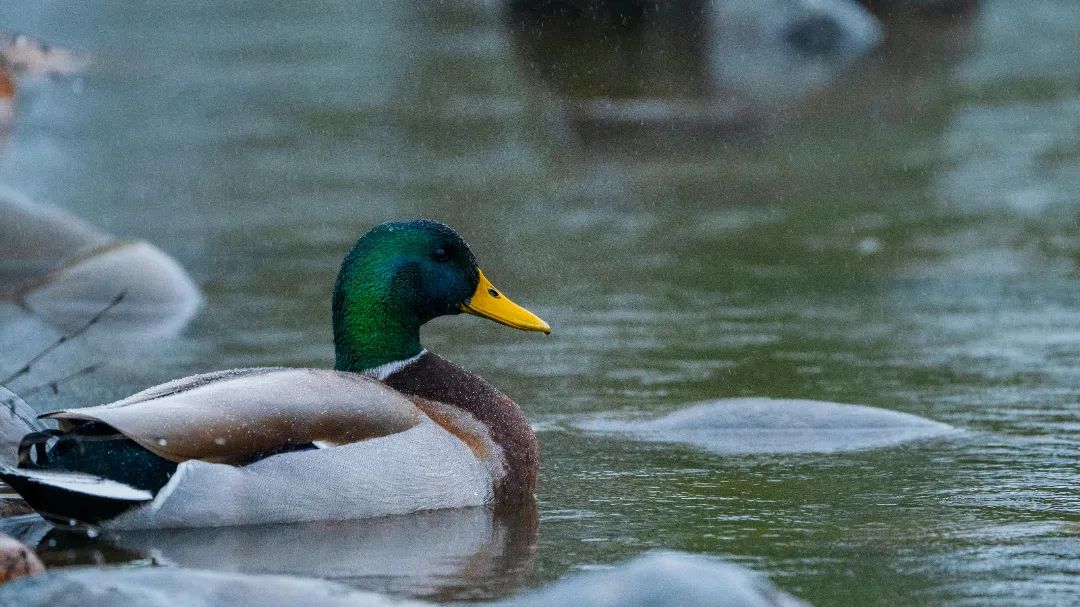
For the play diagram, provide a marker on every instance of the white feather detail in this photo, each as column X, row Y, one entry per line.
column 84, row 483
column 383, row 371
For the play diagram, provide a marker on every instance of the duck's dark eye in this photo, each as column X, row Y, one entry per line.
column 439, row 254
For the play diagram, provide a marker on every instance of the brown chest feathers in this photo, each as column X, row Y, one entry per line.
column 435, row 378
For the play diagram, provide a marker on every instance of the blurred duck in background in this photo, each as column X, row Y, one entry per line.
column 692, row 66
column 27, row 56
column 61, row 269
column 24, row 58
column 7, row 101
column 920, row 8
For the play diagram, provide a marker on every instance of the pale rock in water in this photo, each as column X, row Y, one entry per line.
column 65, row 271
column 764, row 425
column 167, row 587
column 658, row 579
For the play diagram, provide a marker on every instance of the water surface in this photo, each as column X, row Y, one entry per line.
column 910, row 242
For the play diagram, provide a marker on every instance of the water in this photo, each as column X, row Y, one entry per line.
column 911, row 245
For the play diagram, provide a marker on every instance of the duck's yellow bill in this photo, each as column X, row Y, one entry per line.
column 488, row 302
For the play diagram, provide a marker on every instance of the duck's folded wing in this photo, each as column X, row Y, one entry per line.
column 236, row 416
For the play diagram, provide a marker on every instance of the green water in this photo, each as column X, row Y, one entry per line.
column 911, row 241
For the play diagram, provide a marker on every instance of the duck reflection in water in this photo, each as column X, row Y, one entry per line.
column 442, row 555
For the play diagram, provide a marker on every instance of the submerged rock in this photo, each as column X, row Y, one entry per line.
column 765, row 425
column 65, row 271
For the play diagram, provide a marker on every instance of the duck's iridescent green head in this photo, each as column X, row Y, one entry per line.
column 401, row 275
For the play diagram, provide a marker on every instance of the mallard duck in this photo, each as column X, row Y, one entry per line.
column 392, row 429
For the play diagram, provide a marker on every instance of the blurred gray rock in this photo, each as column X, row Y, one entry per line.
column 168, row 587
column 660, row 579
column 763, row 425
column 654, row 579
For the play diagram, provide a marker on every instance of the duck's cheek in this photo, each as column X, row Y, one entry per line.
column 444, row 292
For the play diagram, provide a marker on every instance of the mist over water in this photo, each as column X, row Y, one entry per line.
column 906, row 240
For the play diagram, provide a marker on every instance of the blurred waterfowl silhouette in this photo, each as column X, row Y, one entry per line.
column 921, row 8
column 393, row 429
column 720, row 66
column 7, row 101
column 22, row 57
column 64, row 270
